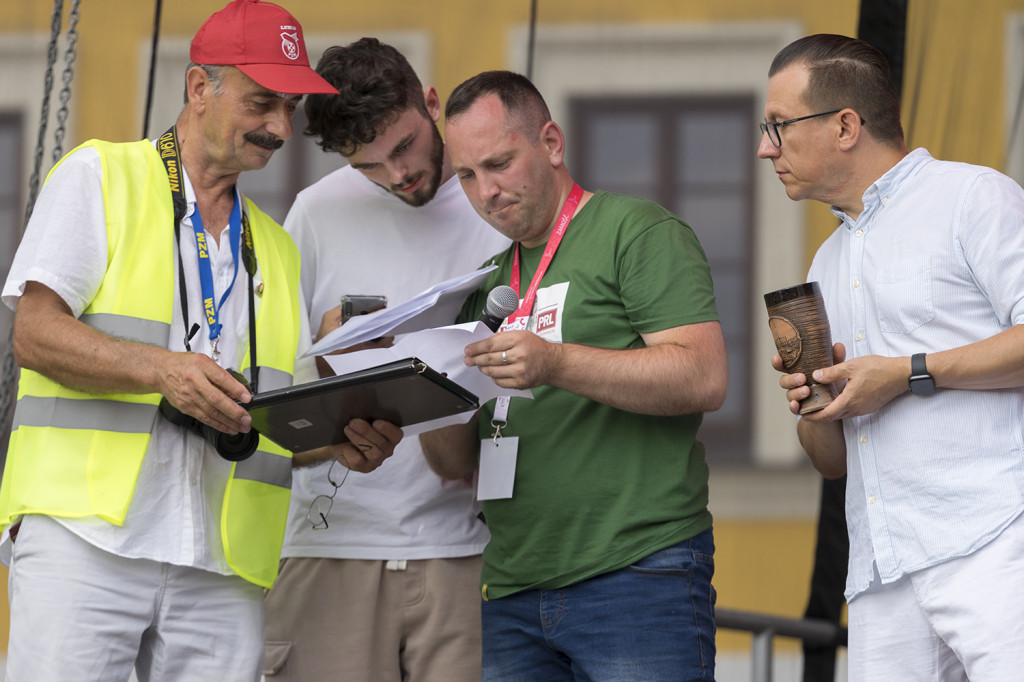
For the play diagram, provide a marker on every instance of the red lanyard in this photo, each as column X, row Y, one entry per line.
column 522, row 316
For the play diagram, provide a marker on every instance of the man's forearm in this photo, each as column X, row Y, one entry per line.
column 453, row 452
column 49, row 340
column 680, row 371
column 660, row 380
column 994, row 363
column 825, row 446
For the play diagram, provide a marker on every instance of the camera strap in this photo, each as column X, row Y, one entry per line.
column 241, row 246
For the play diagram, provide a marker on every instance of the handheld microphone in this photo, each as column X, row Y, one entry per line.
column 501, row 302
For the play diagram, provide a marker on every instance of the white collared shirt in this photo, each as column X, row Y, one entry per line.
column 935, row 261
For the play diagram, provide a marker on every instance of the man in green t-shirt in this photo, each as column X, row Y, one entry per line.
column 595, row 491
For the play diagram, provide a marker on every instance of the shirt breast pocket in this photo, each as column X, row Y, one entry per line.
column 904, row 295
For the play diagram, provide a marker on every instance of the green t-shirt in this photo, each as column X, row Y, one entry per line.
column 597, row 488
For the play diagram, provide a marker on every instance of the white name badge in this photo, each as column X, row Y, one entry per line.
column 497, row 468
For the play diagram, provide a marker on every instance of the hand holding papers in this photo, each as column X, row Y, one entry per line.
column 436, row 306
column 442, row 350
column 420, row 322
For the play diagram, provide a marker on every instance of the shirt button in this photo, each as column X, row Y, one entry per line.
column 863, row 440
column 859, row 233
column 885, row 200
column 871, row 500
column 856, row 283
column 860, row 336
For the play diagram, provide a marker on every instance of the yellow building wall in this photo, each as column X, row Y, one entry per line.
column 469, row 36
column 954, row 62
column 762, row 564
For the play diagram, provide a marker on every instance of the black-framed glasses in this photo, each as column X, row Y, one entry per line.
column 773, row 128
column 321, row 505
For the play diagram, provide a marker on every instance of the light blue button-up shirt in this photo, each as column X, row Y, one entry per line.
column 935, row 261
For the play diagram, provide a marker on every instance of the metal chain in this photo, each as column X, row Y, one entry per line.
column 44, row 119
column 9, row 392
column 65, row 92
column 9, row 370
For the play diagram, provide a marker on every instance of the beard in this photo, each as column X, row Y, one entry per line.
column 432, row 175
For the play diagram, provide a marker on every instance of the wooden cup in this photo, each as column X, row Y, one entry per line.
column 799, row 324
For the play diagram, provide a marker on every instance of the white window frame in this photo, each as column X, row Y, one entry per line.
column 1014, row 95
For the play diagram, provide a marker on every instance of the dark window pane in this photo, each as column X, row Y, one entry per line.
column 731, row 294
column 714, row 147
column 10, row 152
column 12, row 212
column 690, row 155
column 627, row 141
column 720, row 221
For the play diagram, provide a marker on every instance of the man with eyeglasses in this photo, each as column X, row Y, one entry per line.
column 924, row 286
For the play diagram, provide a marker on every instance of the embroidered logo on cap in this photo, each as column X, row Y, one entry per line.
column 290, row 42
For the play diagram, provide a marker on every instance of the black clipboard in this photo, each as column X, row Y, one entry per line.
column 314, row 414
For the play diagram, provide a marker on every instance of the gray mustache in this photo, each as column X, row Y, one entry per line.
column 270, row 141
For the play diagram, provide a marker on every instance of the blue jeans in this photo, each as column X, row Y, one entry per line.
column 653, row 621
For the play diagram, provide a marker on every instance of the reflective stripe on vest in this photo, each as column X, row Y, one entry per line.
column 270, row 378
column 149, row 332
column 74, row 413
column 266, row 467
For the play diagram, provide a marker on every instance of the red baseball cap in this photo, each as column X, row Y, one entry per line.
column 265, row 42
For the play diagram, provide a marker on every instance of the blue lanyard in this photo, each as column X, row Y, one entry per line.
column 206, row 271
column 170, row 154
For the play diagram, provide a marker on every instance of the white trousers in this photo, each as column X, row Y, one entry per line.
column 961, row 620
column 80, row 613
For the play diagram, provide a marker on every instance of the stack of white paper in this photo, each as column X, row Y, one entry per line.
column 435, row 307
column 442, row 350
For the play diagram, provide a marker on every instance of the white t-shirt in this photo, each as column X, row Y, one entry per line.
column 174, row 515
column 355, row 238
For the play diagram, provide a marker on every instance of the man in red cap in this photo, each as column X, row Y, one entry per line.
column 264, row 42
column 135, row 538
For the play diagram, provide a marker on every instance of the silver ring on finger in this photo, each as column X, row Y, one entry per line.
column 504, row 357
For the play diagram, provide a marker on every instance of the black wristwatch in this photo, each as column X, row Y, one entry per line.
column 921, row 382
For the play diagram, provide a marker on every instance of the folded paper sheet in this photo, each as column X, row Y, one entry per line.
column 437, row 306
column 442, row 349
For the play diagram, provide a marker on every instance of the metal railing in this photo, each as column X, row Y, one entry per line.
column 765, row 628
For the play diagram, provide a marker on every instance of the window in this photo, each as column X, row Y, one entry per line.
column 693, row 156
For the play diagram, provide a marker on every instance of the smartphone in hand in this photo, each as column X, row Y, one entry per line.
column 352, row 305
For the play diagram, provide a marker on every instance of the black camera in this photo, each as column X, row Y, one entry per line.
column 233, row 448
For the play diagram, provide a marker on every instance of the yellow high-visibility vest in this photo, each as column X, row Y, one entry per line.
column 74, row 454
